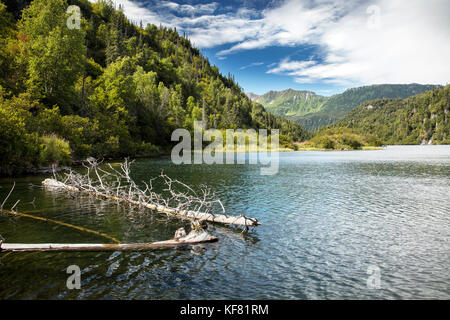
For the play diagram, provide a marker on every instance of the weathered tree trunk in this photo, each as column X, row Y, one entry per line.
column 219, row 218
column 194, row 237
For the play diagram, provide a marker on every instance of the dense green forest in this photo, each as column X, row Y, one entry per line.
column 421, row 119
column 314, row 111
column 108, row 89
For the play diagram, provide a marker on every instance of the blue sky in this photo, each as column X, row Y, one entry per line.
column 323, row 46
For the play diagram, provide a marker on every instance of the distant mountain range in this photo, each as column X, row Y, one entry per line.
column 314, row 111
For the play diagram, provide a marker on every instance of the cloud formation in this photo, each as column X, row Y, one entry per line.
column 391, row 41
column 359, row 42
column 208, row 8
column 254, row 64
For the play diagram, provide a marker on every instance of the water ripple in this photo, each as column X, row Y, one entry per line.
column 327, row 217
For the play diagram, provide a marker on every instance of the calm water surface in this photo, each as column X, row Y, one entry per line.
column 327, row 217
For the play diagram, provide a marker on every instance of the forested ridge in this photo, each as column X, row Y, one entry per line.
column 420, row 119
column 108, row 89
column 314, row 111
column 290, row 103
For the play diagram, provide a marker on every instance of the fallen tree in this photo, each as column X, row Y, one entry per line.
column 196, row 236
column 181, row 200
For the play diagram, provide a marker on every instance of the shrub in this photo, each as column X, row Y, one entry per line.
column 55, row 150
column 111, row 147
column 344, row 138
column 352, row 141
column 325, row 142
column 372, row 140
column 286, row 141
column 18, row 149
column 81, row 134
column 148, row 149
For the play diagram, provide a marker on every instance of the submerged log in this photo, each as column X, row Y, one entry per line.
column 194, row 237
column 15, row 213
column 219, row 218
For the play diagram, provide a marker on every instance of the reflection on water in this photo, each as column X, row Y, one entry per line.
column 327, row 217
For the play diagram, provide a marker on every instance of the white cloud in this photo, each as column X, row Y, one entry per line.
column 290, row 24
column 163, row 13
column 205, row 29
column 409, row 41
column 254, row 64
column 208, row 8
column 291, row 66
column 138, row 13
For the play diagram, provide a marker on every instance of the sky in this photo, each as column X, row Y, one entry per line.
column 322, row 46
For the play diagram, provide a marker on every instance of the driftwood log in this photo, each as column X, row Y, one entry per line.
column 176, row 198
column 219, row 218
column 194, row 237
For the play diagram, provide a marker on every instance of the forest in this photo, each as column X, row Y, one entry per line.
column 109, row 89
column 420, row 119
column 313, row 111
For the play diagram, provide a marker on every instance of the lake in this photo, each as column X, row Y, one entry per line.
column 331, row 222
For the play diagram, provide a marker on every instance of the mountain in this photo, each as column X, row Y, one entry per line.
column 421, row 119
column 290, row 103
column 109, row 88
column 314, row 111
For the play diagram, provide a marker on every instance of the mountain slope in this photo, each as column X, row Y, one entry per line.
column 420, row 119
column 122, row 94
column 290, row 103
column 314, row 111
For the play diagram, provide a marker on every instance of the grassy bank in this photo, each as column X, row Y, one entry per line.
column 340, row 139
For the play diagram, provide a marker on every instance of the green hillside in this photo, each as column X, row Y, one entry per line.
column 314, row 111
column 290, row 103
column 108, row 89
column 421, row 119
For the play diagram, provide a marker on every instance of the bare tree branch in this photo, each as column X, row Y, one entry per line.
column 175, row 197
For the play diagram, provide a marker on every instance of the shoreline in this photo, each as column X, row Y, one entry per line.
column 364, row 148
column 77, row 163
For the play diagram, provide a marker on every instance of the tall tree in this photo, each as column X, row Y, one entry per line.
column 6, row 34
column 52, row 52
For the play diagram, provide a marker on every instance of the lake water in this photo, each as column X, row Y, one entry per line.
column 331, row 221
